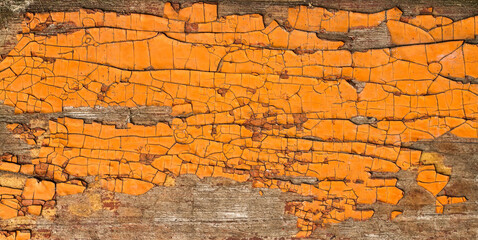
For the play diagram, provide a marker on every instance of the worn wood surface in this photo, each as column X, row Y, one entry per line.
column 217, row 208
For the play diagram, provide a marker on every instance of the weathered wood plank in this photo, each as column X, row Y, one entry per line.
column 220, row 208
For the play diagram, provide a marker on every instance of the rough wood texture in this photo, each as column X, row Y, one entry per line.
column 422, row 169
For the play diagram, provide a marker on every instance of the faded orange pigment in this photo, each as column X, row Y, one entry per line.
column 251, row 103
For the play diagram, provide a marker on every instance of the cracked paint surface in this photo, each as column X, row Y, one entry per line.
column 273, row 105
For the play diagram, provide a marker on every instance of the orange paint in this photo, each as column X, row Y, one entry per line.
column 395, row 214
column 251, row 103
